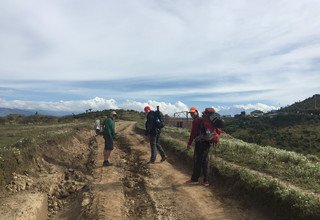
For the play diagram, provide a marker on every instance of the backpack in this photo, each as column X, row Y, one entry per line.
column 159, row 122
column 211, row 126
column 214, row 117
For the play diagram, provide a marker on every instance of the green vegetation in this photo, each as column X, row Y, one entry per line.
column 309, row 105
column 128, row 115
column 17, row 157
column 285, row 165
column 299, row 133
column 288, row 182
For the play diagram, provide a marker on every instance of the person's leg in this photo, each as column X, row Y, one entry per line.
column 107, row 150
column 197, row 161
column 206, row 148
column 153, row 148
column 160, row 149
column 106, row 154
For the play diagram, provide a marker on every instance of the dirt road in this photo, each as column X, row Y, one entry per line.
column 132, row 189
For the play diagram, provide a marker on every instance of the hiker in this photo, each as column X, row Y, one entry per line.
column 153, row 130
column 97, row 126
column 108, row 135
column 202, row 146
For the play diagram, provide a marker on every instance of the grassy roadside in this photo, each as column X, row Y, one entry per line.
column 237, row 163
column 20, row 145
column 21, row 137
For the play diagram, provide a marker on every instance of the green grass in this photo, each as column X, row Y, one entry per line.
column 17, row 157
column 299, row 133
column 288, row 166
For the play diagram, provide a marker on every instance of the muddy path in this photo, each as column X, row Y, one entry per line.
column 132, row 189
column 71, row 183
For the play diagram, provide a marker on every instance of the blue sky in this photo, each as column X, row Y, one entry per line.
column 233, row 55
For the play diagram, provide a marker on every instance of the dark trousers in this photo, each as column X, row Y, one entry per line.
column 154, row 145
column 200, row 160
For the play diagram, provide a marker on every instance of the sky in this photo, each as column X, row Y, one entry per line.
column 232, row 55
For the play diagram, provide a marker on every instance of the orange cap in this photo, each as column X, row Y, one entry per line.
column 193, row 109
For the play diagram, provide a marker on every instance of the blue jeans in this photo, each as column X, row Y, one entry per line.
column 154, row 145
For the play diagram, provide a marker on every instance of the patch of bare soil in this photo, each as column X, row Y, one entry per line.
column 62, row 175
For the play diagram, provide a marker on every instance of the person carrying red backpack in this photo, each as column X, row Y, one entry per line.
column 205, row 134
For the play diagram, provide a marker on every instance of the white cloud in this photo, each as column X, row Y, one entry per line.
column 257, row 106
column 65, row 106
column 101, row 104
column 94, row 104
column 165, row 108
column 236, row 109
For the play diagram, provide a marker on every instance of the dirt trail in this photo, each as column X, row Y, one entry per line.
column 131, row 189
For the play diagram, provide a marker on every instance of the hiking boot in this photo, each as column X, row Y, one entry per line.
column 163, row 158
column 205, row 182
column 190, row 182
column 106, row 163
column 150, row 162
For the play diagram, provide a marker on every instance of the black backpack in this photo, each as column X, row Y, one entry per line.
column 159, row 121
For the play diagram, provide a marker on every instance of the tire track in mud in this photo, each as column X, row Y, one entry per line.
column 138, row 202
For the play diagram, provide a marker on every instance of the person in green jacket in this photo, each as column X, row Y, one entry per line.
column 108, row 135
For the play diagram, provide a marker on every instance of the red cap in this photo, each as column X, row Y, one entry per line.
column 147, row 108
column 209, row 110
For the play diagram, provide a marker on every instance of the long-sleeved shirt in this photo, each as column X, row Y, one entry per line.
column 195, row 130
column 109, row 128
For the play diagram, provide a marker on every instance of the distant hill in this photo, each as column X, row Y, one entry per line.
column 8, row 111
column 311, row 105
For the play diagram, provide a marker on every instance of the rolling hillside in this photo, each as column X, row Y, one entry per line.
column 311, row 105
column 297, row 131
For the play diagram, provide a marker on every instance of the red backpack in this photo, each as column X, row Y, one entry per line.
column 211, row 126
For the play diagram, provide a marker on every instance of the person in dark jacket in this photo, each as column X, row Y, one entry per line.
column 153, row 133
column 201, row 150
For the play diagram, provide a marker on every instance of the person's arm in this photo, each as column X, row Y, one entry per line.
column 194, row 132
column 217, row 133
